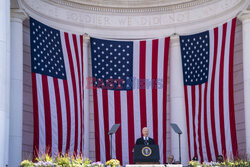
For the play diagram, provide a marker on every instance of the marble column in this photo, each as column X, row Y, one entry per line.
column 16, row 87
column 4, row 80
column 177, row 102
column 245, row 18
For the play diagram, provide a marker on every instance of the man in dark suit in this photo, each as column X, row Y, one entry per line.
column 145, row 140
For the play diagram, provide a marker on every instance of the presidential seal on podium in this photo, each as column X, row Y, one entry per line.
column 146, row 151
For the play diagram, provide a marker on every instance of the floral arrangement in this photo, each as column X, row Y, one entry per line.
column 113, row 163
column 210, row 164
column 227, row 163
column 237, row 163
column 97, row 164
column 194, row 164
column 61, row 161
column 27, row 163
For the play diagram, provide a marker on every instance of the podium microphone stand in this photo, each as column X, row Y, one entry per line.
column 110, row 133
column 177, row 130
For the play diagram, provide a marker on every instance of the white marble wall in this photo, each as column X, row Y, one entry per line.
column 27, row 95
column 239, row 89
column 28, row 113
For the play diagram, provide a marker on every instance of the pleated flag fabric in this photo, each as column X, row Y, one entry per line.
column 207, row 60
column 57, row 82
column 129, row 88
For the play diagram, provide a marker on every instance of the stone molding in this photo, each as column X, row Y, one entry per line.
column 133, row 23
column 119, row 8
column 131, row 3
column 18, row 15
column 175, row 40
column 244, row 16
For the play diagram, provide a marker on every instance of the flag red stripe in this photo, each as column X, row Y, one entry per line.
column 118, row 135
column 96, row 120
column 142, row 76
column 106, row 122
column 154, row 87
column 59, row 115
column 131, row 131
column 231, row 92
column 187, row 119
column 212, row 92
column 82, row 116
column 209, row 156
column 35, row 117
column 47, row 114
column 71, row 64
column 221, row 101
column 80, row 85
column 164, row 118
column 193, row 113
column 199, row 126
column 81, row 41
column 66, row 91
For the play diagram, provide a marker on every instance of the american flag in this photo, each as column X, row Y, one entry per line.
column 57, row 82
column 207, row 60
column 130, row 88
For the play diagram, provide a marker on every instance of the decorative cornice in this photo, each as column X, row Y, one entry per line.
column 134, row 23
column 130, row 9
column 130, row 3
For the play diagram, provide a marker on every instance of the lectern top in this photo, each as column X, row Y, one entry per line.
column 176, row 128
column 114, row 129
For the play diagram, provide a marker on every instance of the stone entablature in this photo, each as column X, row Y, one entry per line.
column 186, row 16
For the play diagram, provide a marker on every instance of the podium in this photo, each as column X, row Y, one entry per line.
column 146, row 154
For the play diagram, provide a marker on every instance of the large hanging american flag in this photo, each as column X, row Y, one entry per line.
column 57, row 82
column 207, row 60
column 130, row 88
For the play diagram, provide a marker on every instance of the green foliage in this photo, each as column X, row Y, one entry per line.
column 27, row 163
column 226, row 163
column 63, row 161
column 44, row 158
column 194, row 164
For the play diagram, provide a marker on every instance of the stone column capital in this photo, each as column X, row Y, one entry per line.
column 18, row 15
column 244, row 16
column 175, row 40
column 86, row 38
